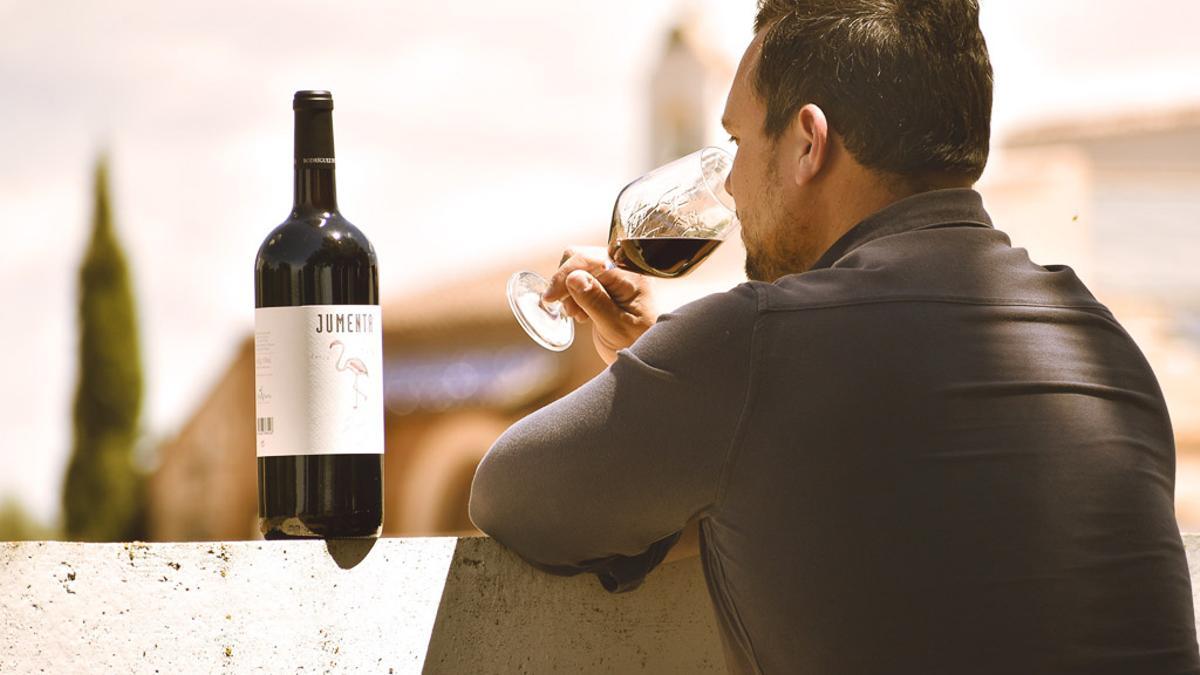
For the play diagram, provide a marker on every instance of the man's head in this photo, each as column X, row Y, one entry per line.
column 840, row 107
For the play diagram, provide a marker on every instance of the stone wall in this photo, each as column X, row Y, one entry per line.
column 436, row 605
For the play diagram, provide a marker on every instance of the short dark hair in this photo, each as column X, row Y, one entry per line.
column 906, row 83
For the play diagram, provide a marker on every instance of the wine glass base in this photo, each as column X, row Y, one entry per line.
column 547, row 324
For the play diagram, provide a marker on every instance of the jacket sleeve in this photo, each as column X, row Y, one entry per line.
column 604, row 479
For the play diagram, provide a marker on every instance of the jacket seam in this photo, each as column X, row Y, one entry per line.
column 731, row 455
column 983, row 302
column 726, row 599
column 740, row 425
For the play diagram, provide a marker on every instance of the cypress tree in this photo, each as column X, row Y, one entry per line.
column 102, row 492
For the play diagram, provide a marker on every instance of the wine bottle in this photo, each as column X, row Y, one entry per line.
column 318, row 356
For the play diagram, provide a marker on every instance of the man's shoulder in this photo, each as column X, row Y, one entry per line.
column 969, row 265
column 715, row 326
column 739, row 302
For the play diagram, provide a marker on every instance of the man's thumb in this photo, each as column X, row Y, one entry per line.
column 592, row 298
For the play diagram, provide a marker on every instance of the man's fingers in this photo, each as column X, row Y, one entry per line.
column 573, row 310
column 589, row 259
column 622, row 286
column 591, row 297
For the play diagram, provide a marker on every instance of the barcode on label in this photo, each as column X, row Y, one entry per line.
column 266, row 425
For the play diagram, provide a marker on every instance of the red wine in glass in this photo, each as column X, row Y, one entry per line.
column 663, row 224
column 666, row 257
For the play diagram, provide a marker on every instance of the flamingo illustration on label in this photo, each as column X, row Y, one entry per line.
column 352, row 364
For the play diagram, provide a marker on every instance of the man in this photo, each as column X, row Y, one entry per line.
column 909, row 449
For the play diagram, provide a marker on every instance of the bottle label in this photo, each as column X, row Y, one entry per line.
column 318, row 380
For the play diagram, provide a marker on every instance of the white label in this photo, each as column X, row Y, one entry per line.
column 318, row 380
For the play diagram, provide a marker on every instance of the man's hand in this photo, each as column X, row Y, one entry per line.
column 617, row 302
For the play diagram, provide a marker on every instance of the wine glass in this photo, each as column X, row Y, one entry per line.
column 663, row 224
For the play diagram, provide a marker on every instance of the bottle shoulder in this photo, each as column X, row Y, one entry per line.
column 313, row 236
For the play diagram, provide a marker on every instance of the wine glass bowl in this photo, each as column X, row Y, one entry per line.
column 668, row 221
column 663, row 224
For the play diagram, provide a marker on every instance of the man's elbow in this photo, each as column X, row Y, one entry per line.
column 485, row 503
column 504, row 506
column 499, row 502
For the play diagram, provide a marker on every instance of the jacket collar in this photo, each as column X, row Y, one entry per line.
column 922, row 211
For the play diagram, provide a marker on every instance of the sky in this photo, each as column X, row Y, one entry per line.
column 468, row 134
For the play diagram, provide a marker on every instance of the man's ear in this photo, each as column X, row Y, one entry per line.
column 809, row 142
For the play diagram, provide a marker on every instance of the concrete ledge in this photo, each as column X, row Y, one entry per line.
column 437, row 605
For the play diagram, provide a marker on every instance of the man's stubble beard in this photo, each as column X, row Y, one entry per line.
column 755, row 264
column 766, row 262
column 785, row 254
column 753, row 268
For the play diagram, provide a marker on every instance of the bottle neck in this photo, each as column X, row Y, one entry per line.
column 315, row 190
column 315, row 184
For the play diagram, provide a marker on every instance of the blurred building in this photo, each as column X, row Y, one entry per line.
column 1118, row 199
column 458, row 369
